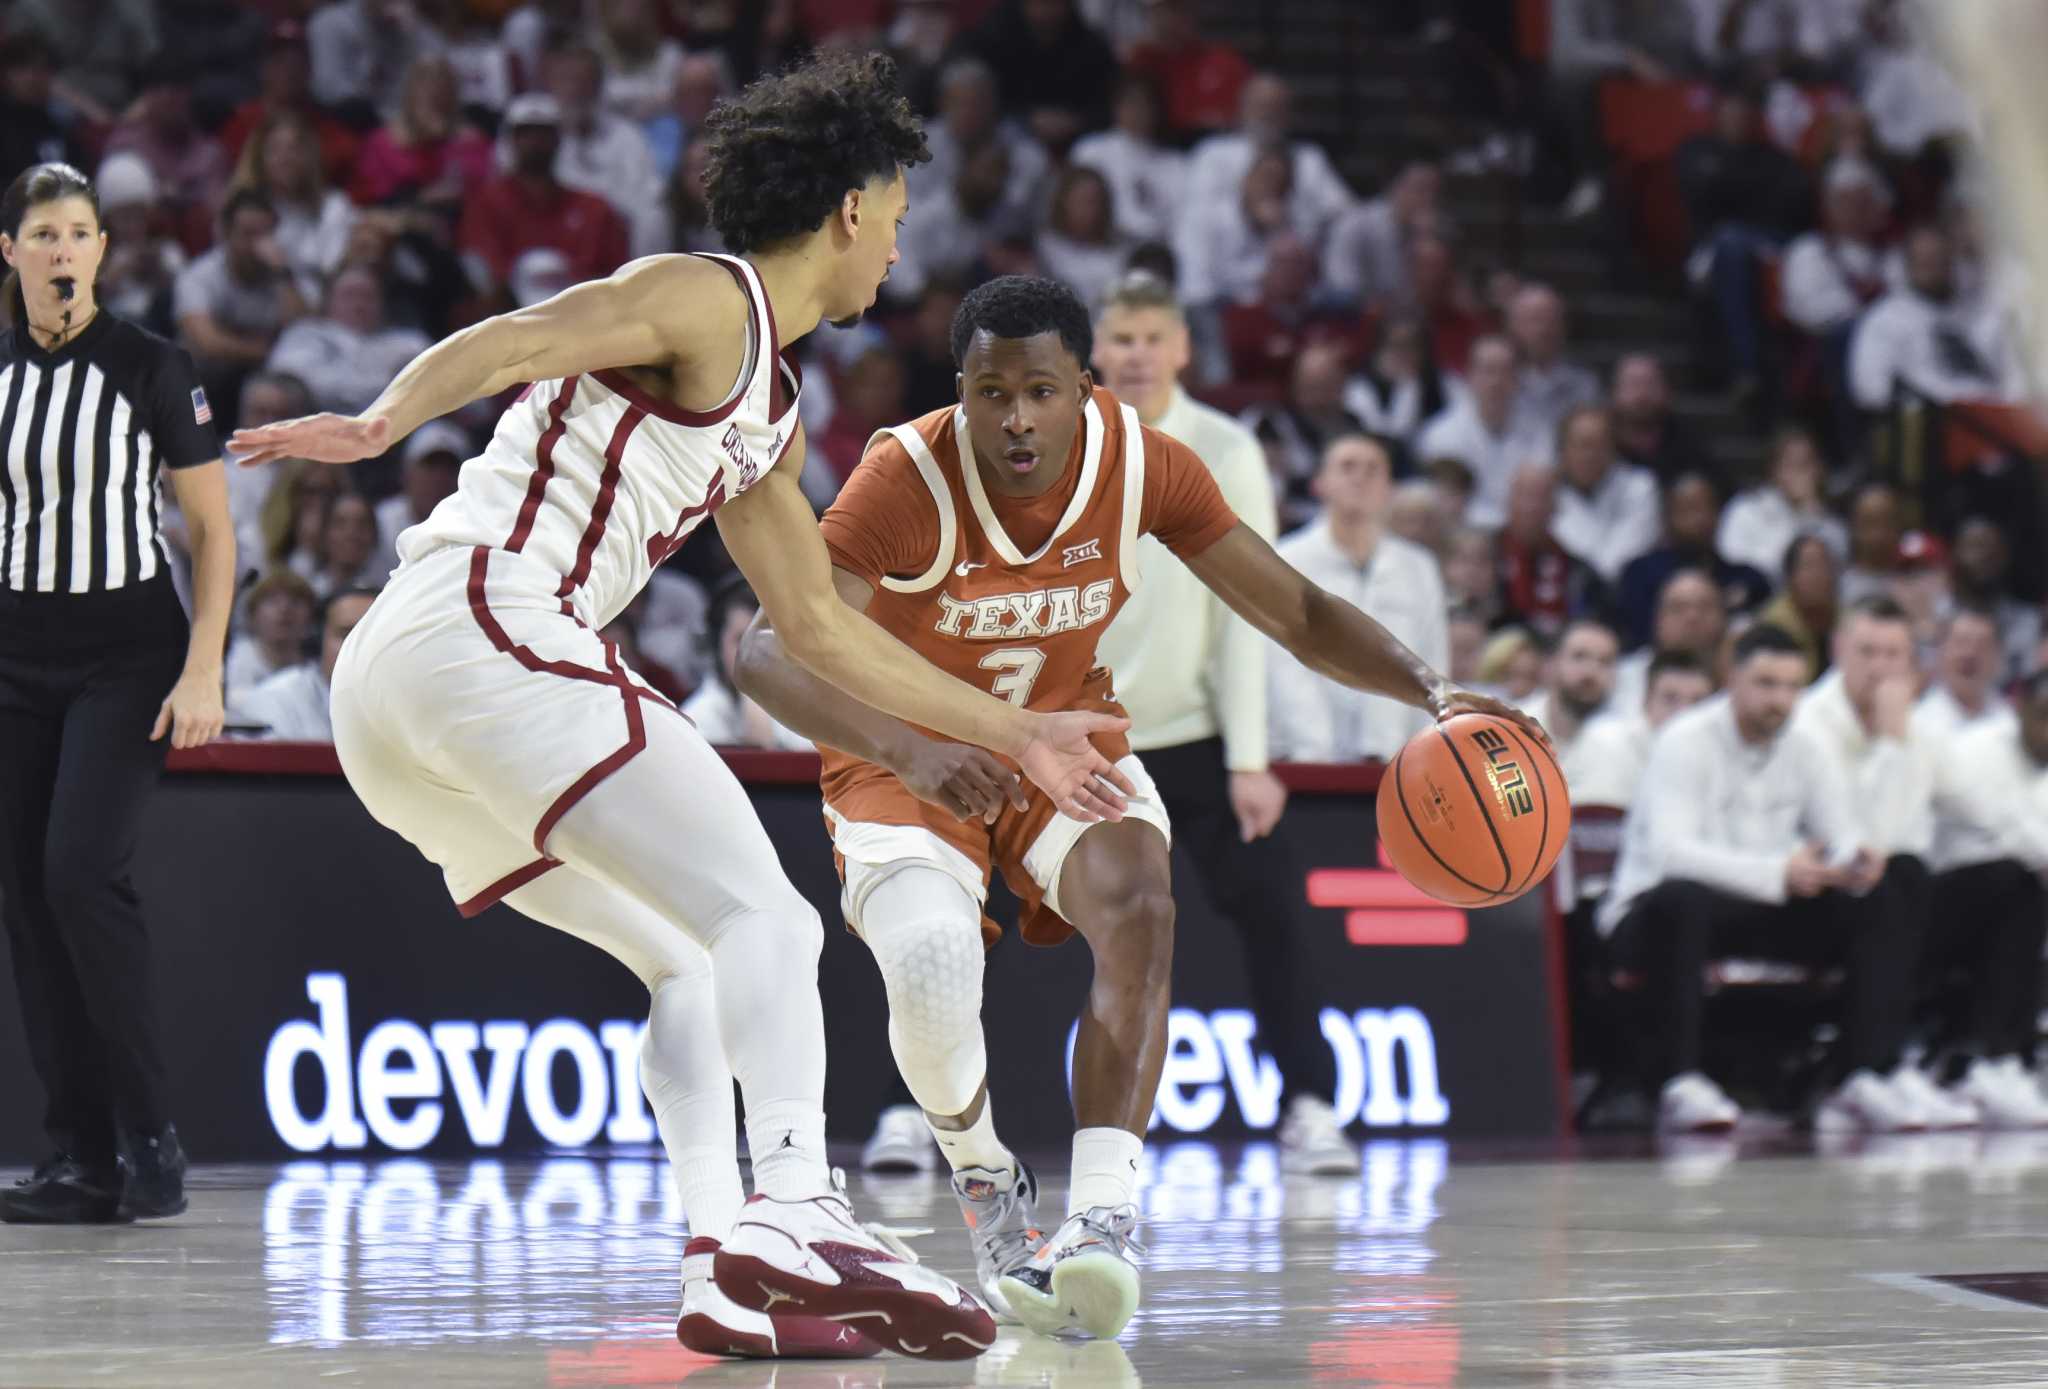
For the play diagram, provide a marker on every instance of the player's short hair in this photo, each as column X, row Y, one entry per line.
column 785, row 151
column 1023, row 306
column 1766, row 639
column 1141, row 289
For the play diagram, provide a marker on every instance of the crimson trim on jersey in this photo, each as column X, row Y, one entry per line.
column 675, row 414
column 506, row 886
column 544, row 453
column 607, row 494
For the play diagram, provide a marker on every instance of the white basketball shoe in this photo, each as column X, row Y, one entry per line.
column 1869, row 1103
column 812, row 1258
column 1312, row 1142
column 1941, row 1109
column 1691, row 1103
column 902, row 1142
column 1001, row 1211
column 2003, row 1095
column 713, row 1324
column 1084, row 1280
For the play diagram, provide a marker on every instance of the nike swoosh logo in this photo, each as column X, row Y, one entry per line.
column 964, row 568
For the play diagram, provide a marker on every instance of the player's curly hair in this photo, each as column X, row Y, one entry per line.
column 786, row 150
column 1023, row 306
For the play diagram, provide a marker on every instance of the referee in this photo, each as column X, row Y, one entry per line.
column 97, row 665
column 1192, row 676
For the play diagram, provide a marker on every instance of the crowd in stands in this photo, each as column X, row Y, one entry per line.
column 306, row 194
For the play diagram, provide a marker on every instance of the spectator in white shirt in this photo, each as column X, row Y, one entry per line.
column 1742, row 840
column 348, row 354
column 291, row 706
column 282, row 160
column 1864, row 724
column 1758, row 525
column 278, row 614
column 434, row 455
column 1400, row 387
column 1964, row 692
column 1224, row 246
column 1080, row 245
column 1147, row 181
column 1991, row 797
column 722, row 714
column 360, row 50
column 966, row 224
column 1192, row 677
column 600, row 153
column 1579, row 680
column 1483, row 431
column 1367, row 256
column 641, row 64
column 1941, row 344
column 1348, row 551
column 1911, row 97
column 1615, row 745
column 1978, row 574
column 1218, row 166
column 1608, row 512
column 968, row 121
column 1549, row 387
column 1691, row 617
column 1833, row 273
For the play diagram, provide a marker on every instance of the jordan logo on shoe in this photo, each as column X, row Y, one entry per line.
column 775, row 1295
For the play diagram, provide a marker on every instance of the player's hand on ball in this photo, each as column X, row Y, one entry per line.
column 1066, row 766
column 1448, row 701
column 325, row 438
column 960, row 778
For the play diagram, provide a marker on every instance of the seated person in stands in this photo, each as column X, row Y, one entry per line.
column 1483, row 430
column 291, row 706
column 1991, row 860
column 1690, row 617
column 1552, row 385
column 1692, row 518
column 1541, row 584
column 1761, row 522
column 722, row 714
column 1931, row 338
column 1863, row 725
column 1348, row 551
column 1646, row 433
column 1614, row 745
column 1964, row 691
column 1607, row 510
column 1981, row 573
column 1742, row 841
column 1579, row 680
column 278, row 614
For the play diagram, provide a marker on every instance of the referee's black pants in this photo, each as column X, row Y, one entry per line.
column 1259, row 889
column 81, row 679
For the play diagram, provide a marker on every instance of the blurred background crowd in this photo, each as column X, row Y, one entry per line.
column 1581, row 337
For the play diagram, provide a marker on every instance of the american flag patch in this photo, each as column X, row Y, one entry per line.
column 202, row 413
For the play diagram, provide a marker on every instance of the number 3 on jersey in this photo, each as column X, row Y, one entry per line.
column 1019, row 666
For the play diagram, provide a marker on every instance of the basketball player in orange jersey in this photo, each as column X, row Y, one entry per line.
column 997, row 539
column 478, row 712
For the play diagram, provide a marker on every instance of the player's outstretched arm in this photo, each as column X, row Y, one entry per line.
column 636, row 317
column 773, row 537
column 1327, row 634
column 958, row 777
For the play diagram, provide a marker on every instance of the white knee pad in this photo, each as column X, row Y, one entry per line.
column 925, row 932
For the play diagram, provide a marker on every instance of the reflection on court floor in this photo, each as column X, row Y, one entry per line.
column 1908, row 1261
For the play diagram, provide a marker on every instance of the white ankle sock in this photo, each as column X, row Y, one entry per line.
column 975, row 1145
column 786, row 1140
column 1105, row 1168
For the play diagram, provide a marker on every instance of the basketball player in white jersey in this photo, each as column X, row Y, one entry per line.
column 478, row 713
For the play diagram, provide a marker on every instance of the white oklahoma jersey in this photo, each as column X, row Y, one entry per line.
column 600, row 481
column 475, row 703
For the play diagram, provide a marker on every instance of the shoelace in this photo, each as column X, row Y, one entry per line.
column 1118, row 1224
column 890, row 1237
column 45, row 1169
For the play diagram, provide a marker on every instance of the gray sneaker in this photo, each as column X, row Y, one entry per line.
column 1001, row 1211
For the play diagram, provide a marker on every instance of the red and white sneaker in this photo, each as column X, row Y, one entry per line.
column 812, row 1258
column 712, row 1324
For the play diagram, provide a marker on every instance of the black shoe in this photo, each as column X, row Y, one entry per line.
column 156, row 1176
column 64, row 1191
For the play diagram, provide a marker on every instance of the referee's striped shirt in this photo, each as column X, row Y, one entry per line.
column 85, row 431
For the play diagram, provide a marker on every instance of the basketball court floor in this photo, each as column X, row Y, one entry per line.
column 1913, row 1261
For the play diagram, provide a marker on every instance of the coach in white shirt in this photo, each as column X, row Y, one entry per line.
column 291, row 706
column 1991, row 861
column 1742, row 839
column 1614, row 746
column 1483, row 430
column 1348, row 551
column 1963, row 693
column 1608, row 512
column 1191, row 676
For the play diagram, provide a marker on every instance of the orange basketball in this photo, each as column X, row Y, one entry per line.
column 1473, row 811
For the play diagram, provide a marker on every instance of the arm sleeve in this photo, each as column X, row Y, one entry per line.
column 181, row 417
column 1183, row 506
column 1680, row 833
column 1237, row 674
column 883, row 521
